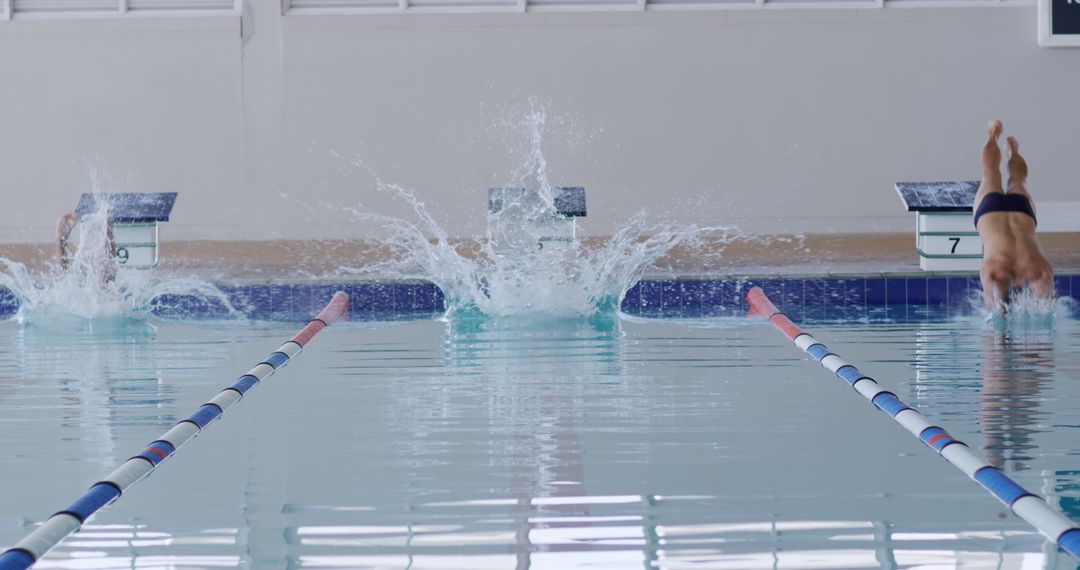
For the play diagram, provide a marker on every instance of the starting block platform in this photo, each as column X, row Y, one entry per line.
column 569, row 205
column 945, row 234
column 136, row 219
column 569, row 201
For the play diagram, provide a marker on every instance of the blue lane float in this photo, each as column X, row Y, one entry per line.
column 1028, row 506
column 31, row 548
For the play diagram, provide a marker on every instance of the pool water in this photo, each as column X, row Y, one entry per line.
column 605, row 443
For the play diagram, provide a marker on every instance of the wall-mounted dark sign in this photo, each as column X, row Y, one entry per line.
column 1065, row 17
column 1059, row 22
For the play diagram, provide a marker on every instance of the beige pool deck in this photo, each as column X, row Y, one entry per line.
column 825, row 254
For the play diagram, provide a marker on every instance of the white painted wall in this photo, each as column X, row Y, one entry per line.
column 775, row 120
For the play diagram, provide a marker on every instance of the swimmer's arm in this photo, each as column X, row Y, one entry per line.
column 1044, row 285
column 995, row 285
column 110, row 270
column 110, row 240
column 61, row 253
column 63, row 230
column 990, row 295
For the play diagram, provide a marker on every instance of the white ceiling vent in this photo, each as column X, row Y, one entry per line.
column 59, row 6
column 179, row 5
column 339, row 5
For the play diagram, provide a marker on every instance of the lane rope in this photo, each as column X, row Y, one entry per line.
column 51, row 532
column 1051, row 523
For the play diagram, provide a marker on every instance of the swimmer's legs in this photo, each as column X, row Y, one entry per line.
column 1039, row 276
column 991, row 164
column 1018, row 169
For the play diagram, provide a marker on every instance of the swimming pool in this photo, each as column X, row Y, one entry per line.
column 681, row 442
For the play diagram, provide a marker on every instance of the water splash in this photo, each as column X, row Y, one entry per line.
column 1027, row 311
column 528, row 262
column 92, row 292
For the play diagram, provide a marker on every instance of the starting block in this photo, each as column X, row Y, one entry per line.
column 135, row 222
column 562, row 226
column 945, row 235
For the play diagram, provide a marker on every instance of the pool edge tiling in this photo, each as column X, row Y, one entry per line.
column 682, row 296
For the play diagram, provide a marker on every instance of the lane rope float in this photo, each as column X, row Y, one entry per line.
column 50, row 533
column 1051, row 523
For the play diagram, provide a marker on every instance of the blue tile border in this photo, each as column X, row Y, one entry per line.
column 670, row 297
column 9, row 304
column 811, row 297
column 793, row 293
column 1062, row 286
column 937, row 291
column 875, row 291
column 632, row 298
column 731, row 294
column 774, row 288
column 835, row 293
column 855, row 292
column 896, row 290
column 917, row 292
column 690, row 293
column 814, row 300
column 712, row 297
column 649, row 294
column 961, row 290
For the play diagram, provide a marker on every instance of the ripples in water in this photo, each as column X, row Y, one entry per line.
column 582, row 443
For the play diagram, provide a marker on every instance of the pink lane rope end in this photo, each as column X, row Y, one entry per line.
column 336, row 310
column 760, row 305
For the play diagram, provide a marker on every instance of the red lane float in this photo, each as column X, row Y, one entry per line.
column 335, row 310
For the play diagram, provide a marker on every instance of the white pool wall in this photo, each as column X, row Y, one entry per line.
column 776, row 120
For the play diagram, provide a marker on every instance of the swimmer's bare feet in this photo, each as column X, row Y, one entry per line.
column 996, row 127
column 1014, row 146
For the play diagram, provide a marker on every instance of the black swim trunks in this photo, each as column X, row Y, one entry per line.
column 998, row 202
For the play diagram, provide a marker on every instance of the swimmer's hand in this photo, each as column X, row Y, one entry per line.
column 64, row 225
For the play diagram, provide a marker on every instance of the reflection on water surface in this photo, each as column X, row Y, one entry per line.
column 510, row 443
